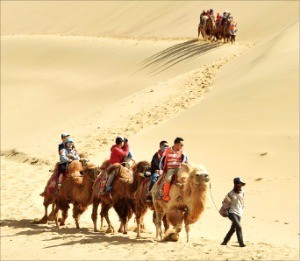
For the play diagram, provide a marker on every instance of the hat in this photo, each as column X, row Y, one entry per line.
column 63, row 135
column 238, row 181
column 69, row 140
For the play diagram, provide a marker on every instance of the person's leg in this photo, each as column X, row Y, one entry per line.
column 109, row 181
column 154, row 178
column 61, row 170
column 238, row 227
column 230, row 232
column 167, row 185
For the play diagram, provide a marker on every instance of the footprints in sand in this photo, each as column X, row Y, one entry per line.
column 171, row 98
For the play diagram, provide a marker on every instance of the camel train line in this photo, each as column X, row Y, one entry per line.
column 223, row 28
column 84, row 185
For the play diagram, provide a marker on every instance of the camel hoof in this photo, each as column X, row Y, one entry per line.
column 125, row 232
column 171, row 237
column 96, row 230
column 40, row 221
column 51, row 218
column 109, row 230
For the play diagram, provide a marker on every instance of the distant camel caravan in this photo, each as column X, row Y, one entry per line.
column 85, row 185
column 224, row 29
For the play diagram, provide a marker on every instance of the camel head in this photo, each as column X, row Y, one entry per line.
column 92, row 171
column 199, row 175
column 142, row 168
column 183, row 173
column 84, row 159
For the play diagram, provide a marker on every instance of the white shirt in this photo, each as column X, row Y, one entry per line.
column 237, row 202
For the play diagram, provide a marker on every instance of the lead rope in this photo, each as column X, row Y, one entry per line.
column 212, row 196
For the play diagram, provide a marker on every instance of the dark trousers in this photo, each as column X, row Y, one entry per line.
column 235, row 227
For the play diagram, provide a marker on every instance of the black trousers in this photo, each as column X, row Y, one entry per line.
column 235, row 227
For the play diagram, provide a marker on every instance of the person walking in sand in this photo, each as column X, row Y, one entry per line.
column 235, row 212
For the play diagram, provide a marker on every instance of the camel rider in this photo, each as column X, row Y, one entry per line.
column 225, row 16
column 155, row 170
column 67, row 155
column 119, row 152
column 218, row 20
column 201, row 17
column 170, row 163
column 61, row 146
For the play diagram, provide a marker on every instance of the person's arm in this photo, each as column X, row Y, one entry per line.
column 184, row 158
column 154, row 163
column 64, row 157
column 162, row 162
column 125, row 149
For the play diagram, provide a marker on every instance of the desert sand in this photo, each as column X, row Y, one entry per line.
column 99, row 69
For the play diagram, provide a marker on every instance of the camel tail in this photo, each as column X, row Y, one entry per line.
column 175, row 214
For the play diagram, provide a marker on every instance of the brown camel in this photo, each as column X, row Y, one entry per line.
column 121, row 198
column 187, row 203
column 208, row 27
column 49, row 192
column 76, row 189
column 141, row 206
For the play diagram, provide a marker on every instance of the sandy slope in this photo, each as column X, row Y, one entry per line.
column 70, row 66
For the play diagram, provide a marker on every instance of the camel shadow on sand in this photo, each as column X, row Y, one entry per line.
column 176, row 54
column 71, row 235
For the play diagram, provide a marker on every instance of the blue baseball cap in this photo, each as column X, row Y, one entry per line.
column 239, row 181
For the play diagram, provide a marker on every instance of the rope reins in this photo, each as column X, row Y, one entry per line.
column 210, row 190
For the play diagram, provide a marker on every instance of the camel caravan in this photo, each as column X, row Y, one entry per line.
column 172, row 188
column 217, row 28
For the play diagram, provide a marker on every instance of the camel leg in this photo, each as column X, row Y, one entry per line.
column 104, row 214
column 158, row 223
column 51, row 216
column 96, row 203
column 121, row 228
column 76, row 213
column 187, row 230
column 64, row 206
column 166, row 223
column 55, row 215
column 44, row 219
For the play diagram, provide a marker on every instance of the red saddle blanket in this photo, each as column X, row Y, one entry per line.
column 99, row 185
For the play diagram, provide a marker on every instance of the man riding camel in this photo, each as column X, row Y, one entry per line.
column 155, row 170
column 118, row 154
column 170, row 162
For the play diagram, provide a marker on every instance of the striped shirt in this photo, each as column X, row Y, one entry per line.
column 172, row 159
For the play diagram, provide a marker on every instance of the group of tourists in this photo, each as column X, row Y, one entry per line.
column 166, row 161
column 224, row 22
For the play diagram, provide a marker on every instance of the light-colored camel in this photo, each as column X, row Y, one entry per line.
column 76, row 189
column 187, row 203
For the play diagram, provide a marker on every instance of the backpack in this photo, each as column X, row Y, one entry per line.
column 225, row 206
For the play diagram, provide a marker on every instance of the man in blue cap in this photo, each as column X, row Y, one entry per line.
column 236, row 198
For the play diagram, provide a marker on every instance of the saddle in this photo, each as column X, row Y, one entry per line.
column 99, row 186
column 160, row 185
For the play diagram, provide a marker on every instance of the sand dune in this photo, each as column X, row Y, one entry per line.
column 101, row 69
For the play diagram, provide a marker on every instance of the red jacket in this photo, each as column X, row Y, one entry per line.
column 117, row 153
